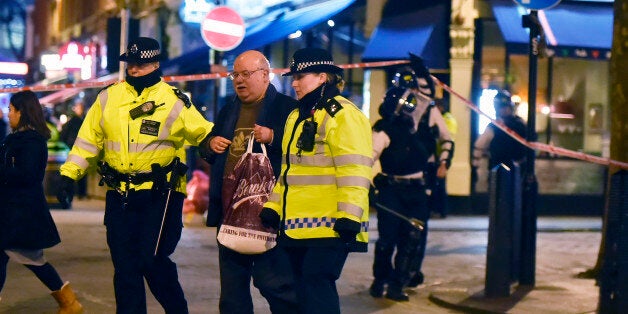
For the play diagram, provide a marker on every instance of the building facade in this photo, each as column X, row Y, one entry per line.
column 469, row 48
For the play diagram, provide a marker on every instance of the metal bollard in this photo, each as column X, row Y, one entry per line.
column 613, row 278
column 504, row 233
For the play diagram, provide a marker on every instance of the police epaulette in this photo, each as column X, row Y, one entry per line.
column 332, row 106
column 102, row 89
column 183, row 97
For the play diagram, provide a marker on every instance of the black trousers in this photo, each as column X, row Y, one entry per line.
column 132, row 231
column 316, row 270
column 397, row 234
column 271, row 273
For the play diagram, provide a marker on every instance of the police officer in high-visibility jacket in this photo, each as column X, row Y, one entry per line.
column 320, row 201
column 136, row 132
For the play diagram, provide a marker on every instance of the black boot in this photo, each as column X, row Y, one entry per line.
column 395, row 293
column 416, row 280
column 377, row 288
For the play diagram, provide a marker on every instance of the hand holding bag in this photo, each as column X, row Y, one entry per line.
column 246, row 189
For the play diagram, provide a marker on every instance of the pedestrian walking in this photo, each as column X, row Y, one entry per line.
column 404, row 140
column 260, row 110
column 26, row 226
column 137, row 131
column 320, row 203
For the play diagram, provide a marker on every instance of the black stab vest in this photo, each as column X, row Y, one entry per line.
column 407, row 153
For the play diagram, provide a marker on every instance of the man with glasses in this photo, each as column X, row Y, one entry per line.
column 259, row 109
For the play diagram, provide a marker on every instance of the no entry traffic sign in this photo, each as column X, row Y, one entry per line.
column 537, row 4
column 222, row 28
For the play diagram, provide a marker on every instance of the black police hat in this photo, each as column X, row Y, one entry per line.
column 142, row 50
column 312, row 60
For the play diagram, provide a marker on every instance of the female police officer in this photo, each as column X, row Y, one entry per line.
column 321, row 196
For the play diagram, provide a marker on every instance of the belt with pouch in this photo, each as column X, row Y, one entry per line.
column 114, row 179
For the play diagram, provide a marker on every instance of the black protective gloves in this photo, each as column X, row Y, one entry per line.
column 270, row 218
column 65, row 193
column 347, row 229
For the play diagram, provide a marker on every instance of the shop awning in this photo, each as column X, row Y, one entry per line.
column 424, row 33
column 290, row 22
column 266, row 30
column 572, row 30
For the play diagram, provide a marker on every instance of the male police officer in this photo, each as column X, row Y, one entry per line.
column 499, row 146
column 137, row 130
column 404, row 140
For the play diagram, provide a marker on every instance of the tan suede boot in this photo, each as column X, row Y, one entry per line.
column 68, row 304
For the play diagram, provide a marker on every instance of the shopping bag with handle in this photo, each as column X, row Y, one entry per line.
column 247, row 188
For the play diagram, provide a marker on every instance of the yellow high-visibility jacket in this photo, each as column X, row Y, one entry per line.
column 318, row 187
column 132, row 145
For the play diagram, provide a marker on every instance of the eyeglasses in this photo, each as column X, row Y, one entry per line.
column 245, row 74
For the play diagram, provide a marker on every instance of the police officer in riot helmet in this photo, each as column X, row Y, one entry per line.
column 495, row 143
column 404, row 140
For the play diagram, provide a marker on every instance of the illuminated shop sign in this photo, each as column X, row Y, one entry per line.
column 72, row 57
column 10, row 83
column 194, row 11
column 15, row 68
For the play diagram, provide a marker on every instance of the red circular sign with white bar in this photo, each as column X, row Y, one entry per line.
column 222, row 28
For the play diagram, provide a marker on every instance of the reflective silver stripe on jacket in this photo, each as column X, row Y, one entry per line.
column 83, row 144
column 103, row 101
column 351, row 209
column 328, row 180
column 326, row 161
column 154, row 146
column 354, row 181
column 353, row 159
column 274, row 197
column 80, row 161
column 112, row 146
column 172, row 116
column 310, row 180
column 316, row 160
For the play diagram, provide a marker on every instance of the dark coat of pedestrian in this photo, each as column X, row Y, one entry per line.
column 26, row 225
column 25, row 219
column 272, row 116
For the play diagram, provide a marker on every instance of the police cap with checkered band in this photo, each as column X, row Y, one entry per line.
column 141, row 50
column 312, row 60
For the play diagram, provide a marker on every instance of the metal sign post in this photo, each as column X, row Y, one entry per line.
column 530, row 184
column 124, row 37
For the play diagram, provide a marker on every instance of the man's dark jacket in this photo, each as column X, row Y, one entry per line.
column 275, row 110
